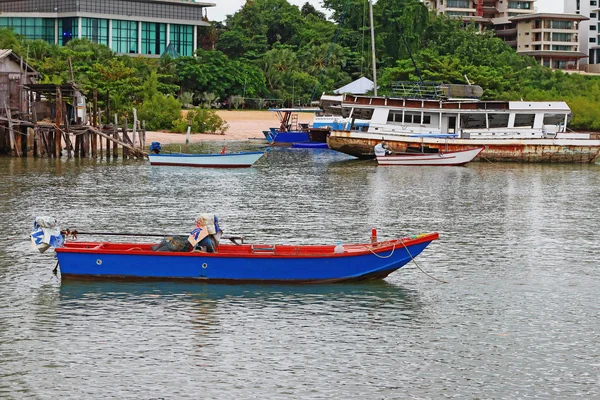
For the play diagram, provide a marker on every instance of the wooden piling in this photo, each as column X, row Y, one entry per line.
column 116, row 137
column 58, row 135
column 95, row 125
column 125, row 139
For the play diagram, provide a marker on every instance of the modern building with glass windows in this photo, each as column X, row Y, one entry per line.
column 488, row 14
column 144, row 27
column 553, row 39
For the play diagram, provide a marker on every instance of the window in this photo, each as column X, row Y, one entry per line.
column 458, row 4
column 125, row 36
column 592, row 27
column 562, row 24
column 524, row 120
column 31, row 28
column 593, row 15
column 592, row 40
column 412, row 118
column 95, row 30
column 154, row 38
column 182, row 38
column 67, row 30
column 498, row 120
column 561, row 37
column 522, row 5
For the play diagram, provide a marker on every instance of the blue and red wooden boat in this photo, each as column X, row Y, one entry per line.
column 240, row 263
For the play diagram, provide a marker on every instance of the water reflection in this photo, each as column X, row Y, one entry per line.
column 518, row 244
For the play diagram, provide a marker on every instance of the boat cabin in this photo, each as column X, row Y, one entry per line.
column 466, row 117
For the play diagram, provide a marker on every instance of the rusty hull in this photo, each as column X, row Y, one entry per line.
column 363, row 149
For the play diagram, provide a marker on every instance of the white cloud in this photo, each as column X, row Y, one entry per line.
column 230, row 7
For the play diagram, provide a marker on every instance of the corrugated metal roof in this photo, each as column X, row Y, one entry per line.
column 5, row 53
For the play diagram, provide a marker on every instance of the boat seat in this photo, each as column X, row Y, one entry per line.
column 262, row 249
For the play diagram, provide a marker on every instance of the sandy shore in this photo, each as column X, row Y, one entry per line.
column 242, row 125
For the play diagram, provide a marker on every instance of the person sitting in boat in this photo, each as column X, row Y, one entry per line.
column 206, row 234
column 381, row 149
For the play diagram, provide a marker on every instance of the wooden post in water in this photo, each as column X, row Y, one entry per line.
column 11, row 133
column 116, row 136
column 134, row 131
column 36, row 135
column 66, row 131
column 58, row 135
column 30, row 139
column 143, row 135
column 107, row 106
column 95, row 125
column 125, row 139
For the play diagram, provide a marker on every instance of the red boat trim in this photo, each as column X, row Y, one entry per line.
column 292, row 250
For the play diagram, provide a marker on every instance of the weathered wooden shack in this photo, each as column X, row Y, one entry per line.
column 15, row 75
column 47, row 120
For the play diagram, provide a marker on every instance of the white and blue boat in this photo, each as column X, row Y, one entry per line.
column 221, row 160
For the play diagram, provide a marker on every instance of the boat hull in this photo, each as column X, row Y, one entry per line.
column 231, row 160
column 361, row 145
column 452, row 158
column 277, row 137
column 310, row 145
column 245, row 263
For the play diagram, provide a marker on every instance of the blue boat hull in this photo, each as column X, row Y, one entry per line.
column 238, row 263
column 274, row 136
column 310, row 145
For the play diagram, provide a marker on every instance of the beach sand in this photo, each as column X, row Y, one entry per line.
column 243, row 125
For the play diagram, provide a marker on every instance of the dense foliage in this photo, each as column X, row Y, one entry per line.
column 276, row 53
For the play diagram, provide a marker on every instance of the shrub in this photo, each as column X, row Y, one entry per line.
column 201, row 121
column 159, row 112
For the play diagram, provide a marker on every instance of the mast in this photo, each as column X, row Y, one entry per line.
column 373, row 48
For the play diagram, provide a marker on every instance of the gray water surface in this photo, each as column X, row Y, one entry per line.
column 518, row 318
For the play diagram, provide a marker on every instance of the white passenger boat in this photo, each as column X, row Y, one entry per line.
column 522, row 131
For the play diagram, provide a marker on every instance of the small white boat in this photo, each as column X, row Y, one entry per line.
column 226, row 160
column 440, row 158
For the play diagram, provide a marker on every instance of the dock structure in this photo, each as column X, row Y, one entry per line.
column 46, row 120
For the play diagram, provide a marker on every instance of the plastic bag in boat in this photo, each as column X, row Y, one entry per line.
column 46, row 234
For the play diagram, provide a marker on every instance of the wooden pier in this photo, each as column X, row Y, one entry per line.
column 23, row 135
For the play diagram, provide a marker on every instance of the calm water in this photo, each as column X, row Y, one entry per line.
column 518, row 318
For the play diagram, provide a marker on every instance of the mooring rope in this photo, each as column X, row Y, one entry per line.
column 420, row 269
column 370, row 248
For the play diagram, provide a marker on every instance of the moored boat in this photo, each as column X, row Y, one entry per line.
column 441, row 158
column 520, row 131
column 224, row 160
column 241, row 262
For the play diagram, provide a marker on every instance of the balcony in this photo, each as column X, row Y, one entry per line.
column 506, row 32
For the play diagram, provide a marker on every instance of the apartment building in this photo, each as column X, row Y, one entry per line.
column 488, row 14
column 553, row 39
column 136, row 27
column 589, row 31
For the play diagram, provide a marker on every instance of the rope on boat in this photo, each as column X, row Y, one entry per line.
column 413, row 260
column 370, row 248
